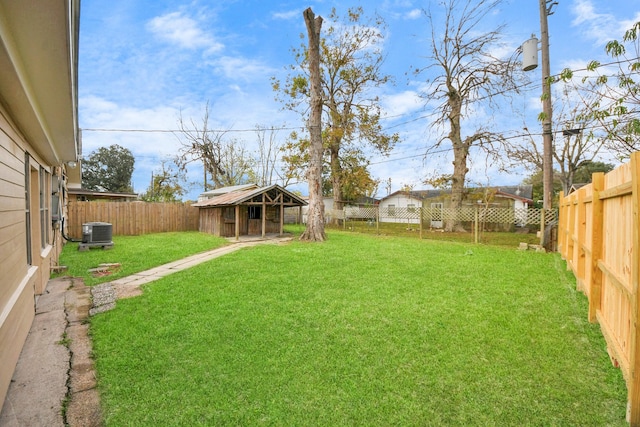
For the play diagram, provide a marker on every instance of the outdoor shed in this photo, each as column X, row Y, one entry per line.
column 248, row 211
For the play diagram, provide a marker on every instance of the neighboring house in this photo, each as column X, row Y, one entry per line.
column 224, row 190
column 513, row 196
column 576, row 187
column 363, row 202
column 298, row 215
column 350, row 207
column 363, row 208
column 401, row 205
column 246, row 211
column 83, row 195
column 39, row 143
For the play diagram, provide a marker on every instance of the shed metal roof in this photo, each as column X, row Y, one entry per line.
column 239, row 197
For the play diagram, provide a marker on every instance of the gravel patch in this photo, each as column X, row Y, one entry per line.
column 103, row 297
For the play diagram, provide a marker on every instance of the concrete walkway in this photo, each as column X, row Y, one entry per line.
column 54, row 383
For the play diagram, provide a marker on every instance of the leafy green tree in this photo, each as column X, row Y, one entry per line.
column 535, row 180
column 350, row 60
column 166, row 186
column 108, row 169
column 586, row 170
column 355, row 178
column 617, row 89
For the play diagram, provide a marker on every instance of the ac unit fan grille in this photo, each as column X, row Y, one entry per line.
column 102, row 233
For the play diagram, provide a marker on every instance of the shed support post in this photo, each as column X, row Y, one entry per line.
column 237, row 227
column 281, row 217
column 264, row 215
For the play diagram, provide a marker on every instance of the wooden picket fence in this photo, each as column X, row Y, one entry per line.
column 132, row 218
column 599, row 239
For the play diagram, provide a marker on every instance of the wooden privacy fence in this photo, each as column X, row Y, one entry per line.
column 599, row 239
column 132, row 218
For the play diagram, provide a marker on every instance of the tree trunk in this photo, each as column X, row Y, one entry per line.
column 336, row 179
column 314, row 230
column 460, row 154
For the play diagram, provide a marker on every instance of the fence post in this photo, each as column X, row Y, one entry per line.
column 634, row 371
column 561, row 225
column 542, row 222
column 420, row 220
column 595, row 284
column 377, row 219
column 476, row 227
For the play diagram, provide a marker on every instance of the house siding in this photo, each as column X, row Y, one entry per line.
column 394, row 209
column 22, row 279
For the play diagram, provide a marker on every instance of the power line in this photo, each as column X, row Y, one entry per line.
column 273, row 128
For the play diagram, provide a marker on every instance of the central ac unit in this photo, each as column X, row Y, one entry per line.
column 97, row 233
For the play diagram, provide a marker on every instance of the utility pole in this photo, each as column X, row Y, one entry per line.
column 547, row 135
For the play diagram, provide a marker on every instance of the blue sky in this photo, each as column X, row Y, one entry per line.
column 143, row 63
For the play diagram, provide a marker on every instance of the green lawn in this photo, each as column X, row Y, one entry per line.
column 135, row 254
column 359, row 331
column 494, row 238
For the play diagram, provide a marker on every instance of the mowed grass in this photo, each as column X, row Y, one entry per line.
column 493, row 238
column 135, row 254
column 359, row 331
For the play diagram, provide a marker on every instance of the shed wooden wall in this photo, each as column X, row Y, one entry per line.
column 213, row 221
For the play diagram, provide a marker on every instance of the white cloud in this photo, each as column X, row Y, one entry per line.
column 182, row 30
column 414, row 14
column 599, row 27
column 402, row 103
column 288, row 15
column 236, row 68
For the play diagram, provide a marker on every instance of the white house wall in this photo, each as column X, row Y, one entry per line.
column 402, row 203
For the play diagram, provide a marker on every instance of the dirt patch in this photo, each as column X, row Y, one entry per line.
column 103, row 270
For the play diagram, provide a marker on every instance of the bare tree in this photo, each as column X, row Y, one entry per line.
column 265, row 171
column 466, row 71
column 577, row 146
column 225, row 161
column 315, row 216
column 199, row 143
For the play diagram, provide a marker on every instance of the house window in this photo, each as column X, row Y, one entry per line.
column 391, row 210
column 255, row 212
column 411, row 207
column 27, row 204
column 44, row 208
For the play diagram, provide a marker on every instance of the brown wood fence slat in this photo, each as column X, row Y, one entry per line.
column 132, row 218
column 599, row 238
